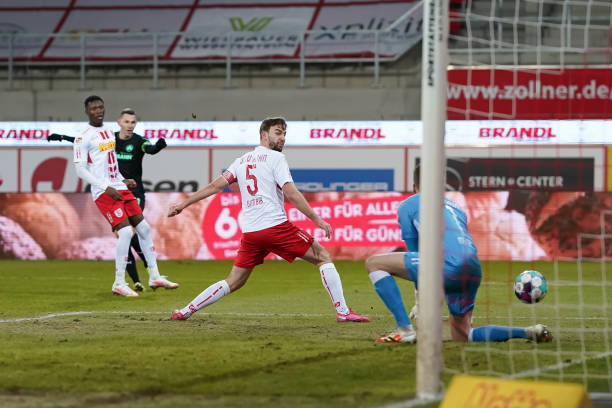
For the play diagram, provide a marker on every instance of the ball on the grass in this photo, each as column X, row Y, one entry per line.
column 530, row 286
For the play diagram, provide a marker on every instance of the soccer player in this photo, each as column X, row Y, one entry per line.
column 130, row 149
column 264, row 179
column 96, row 163
column 462, row 276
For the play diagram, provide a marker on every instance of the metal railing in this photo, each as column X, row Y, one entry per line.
column 152, row 40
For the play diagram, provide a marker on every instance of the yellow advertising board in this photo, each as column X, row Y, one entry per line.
column 483, row 392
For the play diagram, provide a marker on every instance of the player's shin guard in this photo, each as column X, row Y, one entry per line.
column 496, row 333
column 146, row 243
column 123, row 246
column 333, row 285
column 210, row 295
column 389, row 293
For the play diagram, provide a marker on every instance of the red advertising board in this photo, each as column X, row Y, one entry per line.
column 505, row 225
column 357, row 222
column 570, row 93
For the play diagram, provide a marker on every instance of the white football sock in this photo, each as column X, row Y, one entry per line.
column 146, row 244
column 210, row 295
column 123, row 246
column 378, row 275
column 333, row 285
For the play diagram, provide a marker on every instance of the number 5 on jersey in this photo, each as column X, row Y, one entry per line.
column 249, row 175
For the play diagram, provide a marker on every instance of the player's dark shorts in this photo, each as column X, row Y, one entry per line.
column 285, row 240
column 462, row 276
column 117, row 211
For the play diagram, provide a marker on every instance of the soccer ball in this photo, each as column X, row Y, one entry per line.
column 530, row 286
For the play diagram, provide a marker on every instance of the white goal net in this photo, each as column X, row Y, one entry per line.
column 517, row 66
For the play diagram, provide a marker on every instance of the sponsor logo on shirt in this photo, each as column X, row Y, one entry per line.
column 107, row 146
column 124, row 156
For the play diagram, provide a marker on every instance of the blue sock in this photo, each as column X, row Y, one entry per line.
column 497, row 333
column 390, row 294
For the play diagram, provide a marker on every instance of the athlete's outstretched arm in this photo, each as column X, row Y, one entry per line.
column 57, row 137
column 297, row 199
column 213, row 188
column 156, row 148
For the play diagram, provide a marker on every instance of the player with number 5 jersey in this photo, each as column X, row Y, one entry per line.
column 259, row 175
column 264, row 180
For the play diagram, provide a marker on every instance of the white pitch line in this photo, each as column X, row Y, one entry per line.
column 557, row 366
column 415, row 402
column 254, row 314
column 47, row 316
column 92, row 312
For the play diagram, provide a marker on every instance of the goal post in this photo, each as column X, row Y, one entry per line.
column 511, row 67
column 516, row 64
column 433, row 163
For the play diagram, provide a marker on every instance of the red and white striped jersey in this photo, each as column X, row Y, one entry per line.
column 95, row 148
column 260, row 174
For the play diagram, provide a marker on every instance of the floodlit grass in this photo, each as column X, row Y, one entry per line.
column 273, row 343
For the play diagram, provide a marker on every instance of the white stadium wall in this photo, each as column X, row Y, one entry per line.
column 333, row 156
column 276, row 98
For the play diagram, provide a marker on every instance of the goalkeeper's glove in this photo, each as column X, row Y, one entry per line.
column 54, row 137
column 160, row 144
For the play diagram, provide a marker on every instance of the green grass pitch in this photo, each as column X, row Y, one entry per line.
column 275, row 342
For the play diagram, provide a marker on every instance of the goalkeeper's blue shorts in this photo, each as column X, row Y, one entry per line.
column 462, row 276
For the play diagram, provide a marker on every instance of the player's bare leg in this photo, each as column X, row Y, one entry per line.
column 234, row 281
column 380, row 268
column 124, row 236
column 146, row 243
column 319, row 256
column 460, row 326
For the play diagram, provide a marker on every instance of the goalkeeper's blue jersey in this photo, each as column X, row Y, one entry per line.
column 457, row 239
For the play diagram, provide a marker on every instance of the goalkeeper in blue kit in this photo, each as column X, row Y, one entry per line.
column 130, row 149
column 461, row 278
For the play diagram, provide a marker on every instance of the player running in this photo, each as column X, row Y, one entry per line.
column 264, row 179
column 462, row 276
column 96, row 163
column 130, row 149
